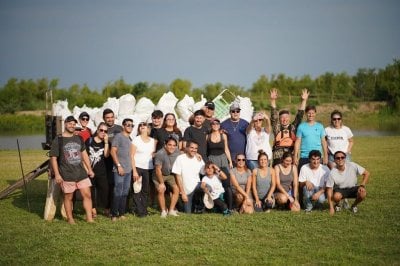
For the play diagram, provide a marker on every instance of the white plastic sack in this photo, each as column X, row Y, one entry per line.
column 127, row 104
column 184, row 108
column 144, row 108
column 167, row 103
column 246, row 108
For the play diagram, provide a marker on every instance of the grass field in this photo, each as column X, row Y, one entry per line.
column 369, row 237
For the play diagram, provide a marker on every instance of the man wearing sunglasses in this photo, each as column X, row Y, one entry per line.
column 235, row 128
column 342, row 183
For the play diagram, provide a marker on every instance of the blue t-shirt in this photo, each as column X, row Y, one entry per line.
column 236, row 132
column 311, row 136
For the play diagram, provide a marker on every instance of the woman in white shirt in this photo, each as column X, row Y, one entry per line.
column 338, row 137
column 258, row 139
column 143, row 151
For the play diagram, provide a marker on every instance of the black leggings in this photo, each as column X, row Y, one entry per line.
column 140, row 199
column 228, row 195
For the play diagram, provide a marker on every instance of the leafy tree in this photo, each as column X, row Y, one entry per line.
column 364, row 84
column 180, row 87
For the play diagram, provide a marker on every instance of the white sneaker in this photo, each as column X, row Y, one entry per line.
column 354, row 209
column 164, row 214
column 173, row 213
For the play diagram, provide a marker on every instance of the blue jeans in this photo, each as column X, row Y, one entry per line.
column 307, row 195
column 121, row 190
column 252, row 164
column 195, row 196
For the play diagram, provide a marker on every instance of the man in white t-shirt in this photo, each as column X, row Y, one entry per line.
column 313, row 177
column 187, row 168
column 342, row 182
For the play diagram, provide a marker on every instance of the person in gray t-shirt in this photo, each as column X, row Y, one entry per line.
column 342, row 182
column 122, row 155
column 164, row 160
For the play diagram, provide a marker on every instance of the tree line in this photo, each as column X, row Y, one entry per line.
column 368, row 84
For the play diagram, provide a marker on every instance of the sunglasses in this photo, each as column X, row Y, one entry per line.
column 258, row 120
column 215, row 123
column 142, row 124
column 85, row 119
column 235, row 111
column 129, row 125
column 336, row 119
column 241, row 160
column 340, row 158
column 103, row 130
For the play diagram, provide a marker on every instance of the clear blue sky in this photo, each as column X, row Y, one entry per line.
column 204, row 41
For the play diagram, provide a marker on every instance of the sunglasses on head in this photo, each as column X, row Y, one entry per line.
column 85, row 118
column 235, row 111
column 103, row 130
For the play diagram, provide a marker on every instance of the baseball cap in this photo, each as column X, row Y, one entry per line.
column 84, row 114
column 210, row 105
column 70, row 119
column 234, row 106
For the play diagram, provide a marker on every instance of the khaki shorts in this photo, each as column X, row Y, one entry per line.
column 169, row 179
column 70, row 187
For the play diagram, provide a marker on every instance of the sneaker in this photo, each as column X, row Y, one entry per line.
column 338, row 208
column 164, row 214
column 226, row 212
column 346, row 204
column 354, row 209
column 173, row 213
column 308, row 211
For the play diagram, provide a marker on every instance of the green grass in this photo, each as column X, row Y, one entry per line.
column 369, row 237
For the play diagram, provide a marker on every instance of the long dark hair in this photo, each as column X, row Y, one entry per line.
column 175, row 127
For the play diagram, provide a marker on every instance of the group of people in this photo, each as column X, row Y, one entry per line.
column 212, row 166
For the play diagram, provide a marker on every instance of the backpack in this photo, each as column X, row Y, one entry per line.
column 285, row 137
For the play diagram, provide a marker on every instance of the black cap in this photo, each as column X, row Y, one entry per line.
column 70, row 119
column 210, row 105
column 199, row 112
column 84, row 114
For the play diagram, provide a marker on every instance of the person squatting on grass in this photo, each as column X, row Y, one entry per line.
column 342, row 183
column 241, row 185
column 263, row 184
column 287, row 183
column 211, row 185
column 187, row 168
column 68, row 158
column 313, row 177
column 164, row 160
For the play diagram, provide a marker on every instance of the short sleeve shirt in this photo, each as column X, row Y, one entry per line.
column 166, row 161
column 311, row 136
column 318, row 177
column 347, row 178
column 70, row 160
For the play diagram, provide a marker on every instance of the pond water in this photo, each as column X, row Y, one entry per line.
column 34, row 142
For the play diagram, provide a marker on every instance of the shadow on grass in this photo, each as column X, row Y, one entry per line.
column 35, row 193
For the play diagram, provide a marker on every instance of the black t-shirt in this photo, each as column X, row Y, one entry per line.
column 199, row 135
column 96, row 156
column 70, row 162
column 162, row 135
